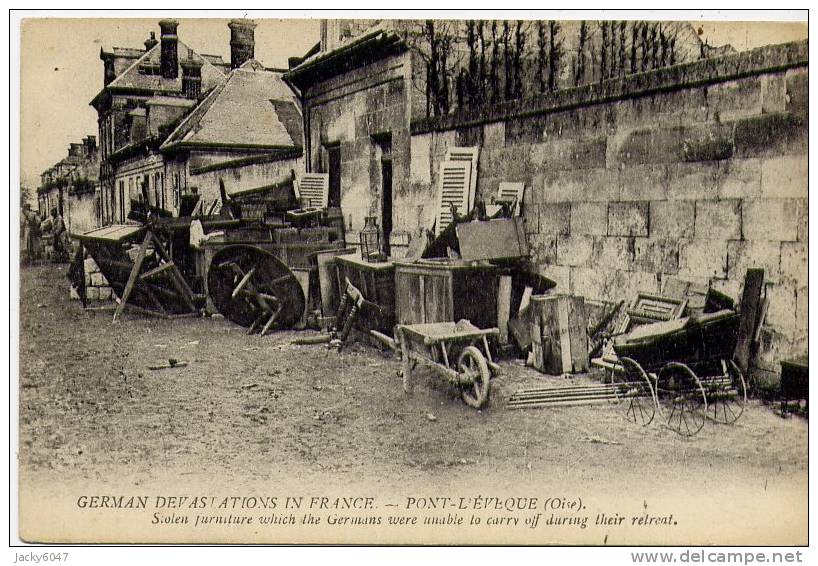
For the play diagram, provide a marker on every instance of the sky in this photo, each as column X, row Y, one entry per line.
column 60, row 69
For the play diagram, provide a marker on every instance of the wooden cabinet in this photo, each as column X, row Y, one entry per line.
column 446, row 291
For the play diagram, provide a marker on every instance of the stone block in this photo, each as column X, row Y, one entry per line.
column 525, row 130
column 614, row 252
column 90, row 266
column 420, row 169
column 692, row 180
column 739, row 178
column 643, row 182
column 672, row 219
column 87, row 279
column 559, row 274
column 781, row 312
column 590, row 185
column 803, row 220
column 575, row 250
column 542, row 249
column 92, row 293
column 555, row 218
column 734, row 99
column 773, row 93
column 73, row 295
column 469, row 136
column 703, row 258
column 582, row 153
column 531, row 213
column 794, row 262
column 759, row 254
column 770, row 135
column 646, row 145
column 770, row 219
column 592, row 283
column 98, row 280
column 730, row 287
column 494, row 134
column 784, row 177
column 798, row 91
column 589, row 218
column 510, row 163
column 628, row 218
column 802, row 310
column 656, row 255
column 105, row 293
column 719, row 219
column 707, row 142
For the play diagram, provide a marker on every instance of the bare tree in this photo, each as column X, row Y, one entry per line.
column 579, row 77
column 541, row 62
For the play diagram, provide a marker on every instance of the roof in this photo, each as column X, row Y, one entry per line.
column 131, row 79
column 355, row 53
column 253, row 108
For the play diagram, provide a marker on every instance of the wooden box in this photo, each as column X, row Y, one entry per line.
column 376, row 282
column 559, row 334
column 446, row 291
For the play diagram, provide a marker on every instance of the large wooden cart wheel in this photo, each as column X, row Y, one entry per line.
column 253, row 288
column 681, row 399
column 473, row 367
column 635, row 392
column 728, row 395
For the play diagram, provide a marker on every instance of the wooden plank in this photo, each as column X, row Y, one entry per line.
column 503, row 306
column 329, row 296
column 502, row 238
column 453, row 189
column 155, row 271
column 132, row 278
column 749, row 311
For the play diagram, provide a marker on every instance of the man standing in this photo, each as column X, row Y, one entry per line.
column 59, row 235
column 29, row 234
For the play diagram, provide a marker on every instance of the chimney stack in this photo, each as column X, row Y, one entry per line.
column 90, row 144
column 191, row 76
column 169, row 63
column 151, row 42
column 242, row 42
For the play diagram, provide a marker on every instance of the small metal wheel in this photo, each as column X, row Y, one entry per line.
column 635, row 392
column 681, row 399
column 728, row 394
column 472, row 365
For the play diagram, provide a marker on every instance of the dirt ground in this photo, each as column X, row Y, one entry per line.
column 249, row 409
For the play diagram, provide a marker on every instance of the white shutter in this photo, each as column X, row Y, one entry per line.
column 313, row 187
column 511, row 192
column 453, row 188
column 470, row 155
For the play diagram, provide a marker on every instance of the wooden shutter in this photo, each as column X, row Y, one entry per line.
column 512, row 192
column 453, row 188
column 469, row 155
column 313, row 187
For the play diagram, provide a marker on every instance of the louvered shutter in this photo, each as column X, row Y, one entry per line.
column 453, row 188
column 313, row 188
column 470, row 155
column 509, row 192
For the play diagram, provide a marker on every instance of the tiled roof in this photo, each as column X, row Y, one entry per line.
column 132, row 78
column 253, row 108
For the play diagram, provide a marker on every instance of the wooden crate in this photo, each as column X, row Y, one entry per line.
column 376, row 282
column 559, row 334
column 446, row 291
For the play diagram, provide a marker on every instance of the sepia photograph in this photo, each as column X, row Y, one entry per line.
column 411, row 279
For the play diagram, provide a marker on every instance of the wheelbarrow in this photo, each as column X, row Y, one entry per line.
column 457, row 351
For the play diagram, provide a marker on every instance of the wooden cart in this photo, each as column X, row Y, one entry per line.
column 453, row 350
column 684, row 368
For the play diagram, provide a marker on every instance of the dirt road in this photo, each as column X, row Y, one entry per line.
column 249, row 410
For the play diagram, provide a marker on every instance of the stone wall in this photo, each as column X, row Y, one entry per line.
column 697, row 171
column 359, row 110
column 96, row 286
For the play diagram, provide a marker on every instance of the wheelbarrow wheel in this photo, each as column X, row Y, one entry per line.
column 681, row 398
column 472, row 365
column 635, row 392
column 726, row 399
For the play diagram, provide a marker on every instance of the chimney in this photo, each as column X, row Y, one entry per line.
column 242, row 42
column 191, row 76
column 169, row 63
column 90, row 144
column 108, row 62
column 151, row 42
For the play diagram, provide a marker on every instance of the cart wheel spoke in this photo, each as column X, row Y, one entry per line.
column 684, row 398
column 634, row 388
column 472, row 365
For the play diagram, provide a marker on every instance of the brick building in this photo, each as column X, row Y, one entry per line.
column 168, row 113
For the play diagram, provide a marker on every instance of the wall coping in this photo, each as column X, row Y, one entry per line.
column 766, row 59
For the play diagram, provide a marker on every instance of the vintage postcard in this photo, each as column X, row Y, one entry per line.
column 529, row 281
